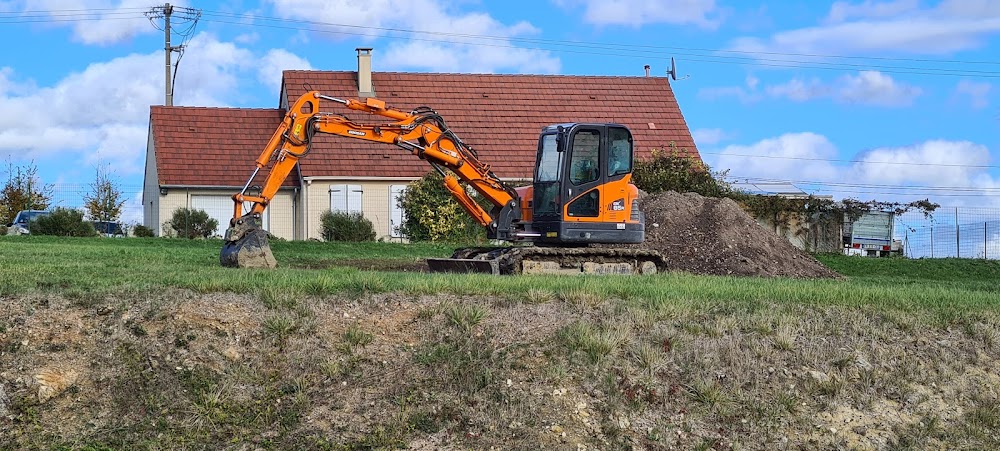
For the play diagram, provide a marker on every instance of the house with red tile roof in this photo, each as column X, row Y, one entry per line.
column 199, row 157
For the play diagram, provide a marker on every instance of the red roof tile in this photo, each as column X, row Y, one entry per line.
column 210, row 146
column 500, row 116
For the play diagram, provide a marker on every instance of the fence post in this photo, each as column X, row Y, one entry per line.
column 958, row 236
column 932, row 240
column 986, row 240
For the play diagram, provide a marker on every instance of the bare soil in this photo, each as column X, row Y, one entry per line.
column 705, row 235
column 182, row 370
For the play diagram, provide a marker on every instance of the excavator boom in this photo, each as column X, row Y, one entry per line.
column 421, row 132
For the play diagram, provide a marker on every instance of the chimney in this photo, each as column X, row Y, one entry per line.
column 647, row 70
column 365, row 88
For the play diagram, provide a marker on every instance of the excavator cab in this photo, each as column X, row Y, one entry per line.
column 582, row 191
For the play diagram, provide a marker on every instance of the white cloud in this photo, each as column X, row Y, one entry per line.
column 900, row 26
column 708, row 136
column 274, row 63
column 449, row 40
column 635, row 13
column 104, row 109
column 944, row 166
column 843, row 10
column 866, row 88
column 977, row 93
column 106, row 21
column 931, row 163
column 799, row 90
column 792, row 156
column 875, row 88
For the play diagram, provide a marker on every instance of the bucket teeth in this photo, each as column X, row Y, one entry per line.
column 247, row 246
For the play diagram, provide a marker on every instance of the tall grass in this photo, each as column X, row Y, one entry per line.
column 94, row 266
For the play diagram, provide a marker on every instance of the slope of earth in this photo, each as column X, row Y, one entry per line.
column 179, row 369
column 705, row 235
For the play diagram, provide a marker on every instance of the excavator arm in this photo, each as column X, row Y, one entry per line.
column 422, row 132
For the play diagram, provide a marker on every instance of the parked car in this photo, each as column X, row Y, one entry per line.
column 20, row 224
column 109, row 228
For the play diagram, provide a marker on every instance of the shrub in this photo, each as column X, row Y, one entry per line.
column 143, row 231
column 190, row 223
column 341, row 226
column 62, row 222
column 3, row 230
column 430, row 213
column 670, row 170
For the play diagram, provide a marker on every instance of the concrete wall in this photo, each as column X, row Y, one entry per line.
column 151, row 188
column 808, row 234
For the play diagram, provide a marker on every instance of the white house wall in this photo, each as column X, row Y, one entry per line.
column 280, row 218
column 375, row 204
column 150, row 187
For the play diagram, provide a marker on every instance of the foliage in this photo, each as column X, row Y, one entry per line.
column 62, row 222
column 191, row 223
column 432, row 214
column 23, row 191
column 104, row 202
column 142, row 231
column 343, row 226
column 671, row 169
column 3, row 229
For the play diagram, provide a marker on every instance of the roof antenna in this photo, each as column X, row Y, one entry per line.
column 673, row 71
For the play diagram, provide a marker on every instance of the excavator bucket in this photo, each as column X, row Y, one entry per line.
column 246, row 245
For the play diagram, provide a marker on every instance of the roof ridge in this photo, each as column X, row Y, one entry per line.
column 471, row 74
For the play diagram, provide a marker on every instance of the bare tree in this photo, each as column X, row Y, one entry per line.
column 105, row 201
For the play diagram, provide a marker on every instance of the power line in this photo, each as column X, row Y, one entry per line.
column 868, row 185
column 711, row 56
column 776, row 157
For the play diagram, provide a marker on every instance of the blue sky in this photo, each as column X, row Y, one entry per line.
column 888, row 100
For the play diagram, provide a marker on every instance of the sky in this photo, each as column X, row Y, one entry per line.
column 887, row 100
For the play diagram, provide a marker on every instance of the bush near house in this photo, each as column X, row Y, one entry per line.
column 191, row 223
column 62, row 222
column 342, row 226
column 432, row 214
column 143, row 231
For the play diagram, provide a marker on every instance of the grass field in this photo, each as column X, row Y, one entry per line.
column 150, row 344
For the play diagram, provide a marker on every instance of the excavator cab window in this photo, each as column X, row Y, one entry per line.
column 548, row 175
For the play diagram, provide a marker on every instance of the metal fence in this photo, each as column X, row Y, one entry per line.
column 950, row 232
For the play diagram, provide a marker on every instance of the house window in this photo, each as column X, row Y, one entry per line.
column 346, row 198
column 396, row 215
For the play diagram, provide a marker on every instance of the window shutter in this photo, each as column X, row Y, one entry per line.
column 354, row 194
column 338, row 198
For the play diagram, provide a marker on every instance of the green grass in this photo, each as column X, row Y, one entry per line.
column 85, row 269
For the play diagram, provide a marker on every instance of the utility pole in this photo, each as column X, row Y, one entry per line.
column 167, row 11
column 187, row 16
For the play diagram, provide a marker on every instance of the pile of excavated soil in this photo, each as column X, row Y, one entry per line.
column 705, row 235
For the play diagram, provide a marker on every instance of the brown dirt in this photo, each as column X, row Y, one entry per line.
column 164, row 369
column 705, row 235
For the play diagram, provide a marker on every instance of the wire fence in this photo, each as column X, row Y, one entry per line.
column 950, row 232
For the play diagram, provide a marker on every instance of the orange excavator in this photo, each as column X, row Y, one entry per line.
column 581, row 193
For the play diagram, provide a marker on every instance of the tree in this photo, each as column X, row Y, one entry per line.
column 432, row 214
column 671, row 169
column 104, row 202
column 23, row 191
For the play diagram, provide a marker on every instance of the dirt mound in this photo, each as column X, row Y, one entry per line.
column 705, row 235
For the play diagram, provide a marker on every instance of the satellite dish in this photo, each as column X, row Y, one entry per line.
column 672, row 72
